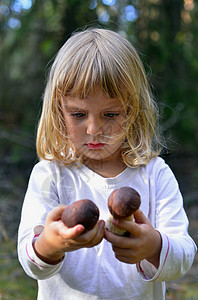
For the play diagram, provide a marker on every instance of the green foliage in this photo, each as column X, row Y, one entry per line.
column 14, row 284
column 188, row 291
column 164, row 31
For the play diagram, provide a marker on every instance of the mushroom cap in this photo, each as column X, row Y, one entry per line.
column 123, row 202
column 83, row 212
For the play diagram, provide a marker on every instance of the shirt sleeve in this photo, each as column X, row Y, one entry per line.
column 32, row 264
column 41, row 197
column 178, row 248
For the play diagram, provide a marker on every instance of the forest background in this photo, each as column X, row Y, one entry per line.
column 165, row 32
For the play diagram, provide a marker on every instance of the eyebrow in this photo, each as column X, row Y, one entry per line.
column 111, row 108
column 72, row 107
column 67, row 106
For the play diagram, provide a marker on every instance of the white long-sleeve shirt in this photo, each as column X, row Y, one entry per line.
column 95, row 273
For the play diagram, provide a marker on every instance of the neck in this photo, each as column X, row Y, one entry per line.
column 105, row 168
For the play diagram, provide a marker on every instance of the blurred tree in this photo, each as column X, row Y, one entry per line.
column 32, row 31
column 29, row 40
column 166, row 32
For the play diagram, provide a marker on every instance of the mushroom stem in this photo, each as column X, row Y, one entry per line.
column 114, row 228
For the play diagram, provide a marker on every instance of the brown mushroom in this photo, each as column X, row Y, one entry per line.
column 83, row 212
column 122, row 204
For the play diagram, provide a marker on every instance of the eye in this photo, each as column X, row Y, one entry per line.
column 78, row 115
column 111, row 115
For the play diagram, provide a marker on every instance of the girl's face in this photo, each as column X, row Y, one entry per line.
column 95, row 126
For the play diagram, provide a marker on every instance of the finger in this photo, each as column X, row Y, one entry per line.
column 127, row 260
column 129, row 226
column 127, row 252
column 101, row 223
column 89, row 235
column 140, row 218
column 70, row 233
column 100, row 233
column 56, row 213
column 117, row 241
column 100, row 228
column 126, row 255
column 92, row 237
column 133, row 226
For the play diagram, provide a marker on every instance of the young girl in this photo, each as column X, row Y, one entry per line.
column 98, row 132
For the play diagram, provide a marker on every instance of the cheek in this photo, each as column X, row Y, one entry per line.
column 75, row 133
column 69, row 126
column 114, row 128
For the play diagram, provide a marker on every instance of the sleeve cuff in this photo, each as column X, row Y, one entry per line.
column 38, row 267
column 147, row 270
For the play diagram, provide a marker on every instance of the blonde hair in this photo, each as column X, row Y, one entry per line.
column 99, row 58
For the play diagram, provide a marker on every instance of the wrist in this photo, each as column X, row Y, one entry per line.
column 155, row 259
column 49, row 258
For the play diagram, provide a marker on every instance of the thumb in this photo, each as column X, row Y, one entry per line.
column 55, row 214
column 140, row 218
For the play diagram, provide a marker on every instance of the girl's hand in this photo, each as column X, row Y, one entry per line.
column 56, row 238
column 144, row 241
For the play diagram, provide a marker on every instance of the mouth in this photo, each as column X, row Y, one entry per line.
column 95, row 145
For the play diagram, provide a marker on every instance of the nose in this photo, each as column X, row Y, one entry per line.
column 94, row 126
